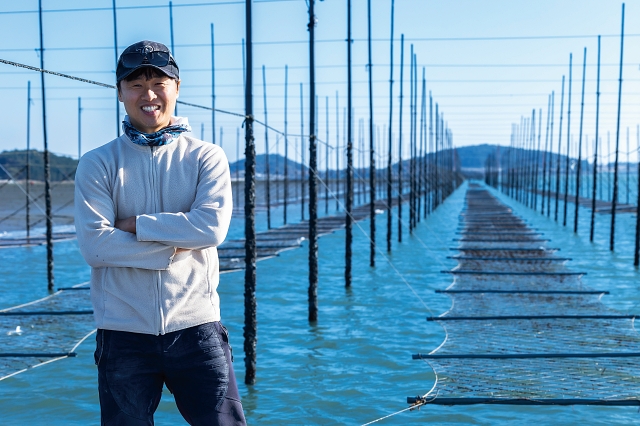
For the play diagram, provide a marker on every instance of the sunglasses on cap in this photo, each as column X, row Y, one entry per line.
column 156, row 58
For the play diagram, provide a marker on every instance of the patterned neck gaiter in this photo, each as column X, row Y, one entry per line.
column 161, row 137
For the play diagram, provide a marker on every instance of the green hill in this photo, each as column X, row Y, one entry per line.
column 62, row 167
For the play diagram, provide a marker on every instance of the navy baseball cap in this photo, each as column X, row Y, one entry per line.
column 146, row 54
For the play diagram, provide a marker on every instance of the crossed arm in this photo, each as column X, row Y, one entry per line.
column 129, row 225
column 148, row 241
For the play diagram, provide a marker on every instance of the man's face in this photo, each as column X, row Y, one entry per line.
column 149, row 103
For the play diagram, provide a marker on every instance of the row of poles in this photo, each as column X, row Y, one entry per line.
column 433, row 169
column 521, row 177
column 430, row 174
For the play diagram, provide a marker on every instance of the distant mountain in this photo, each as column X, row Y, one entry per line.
column 472, row 160
column 475, row 157
column 62, row 167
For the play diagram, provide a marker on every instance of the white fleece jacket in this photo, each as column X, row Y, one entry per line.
column 180, row 194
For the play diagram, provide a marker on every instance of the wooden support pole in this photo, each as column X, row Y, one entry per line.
column 213, row 91
column 430, row 160
column 544, row 158
column 537, row 163
column 578, row 168
column 237, row 201
column 411, row 118
column 326, row 159
column 372, row 157
column 28, row 162
column 338, row 153
column 550, row 154
column 349, row 168
column 559, row 152
column 400, row 188
column 302, row 166
column 47, row 169
column 266, row 148
column 614, row 199
column 173, row 49
column 567, row 158
column 390, row 140
column 636, row 252
column 313, row 174
column 250, row 304
column 286, row 144
column 595, row 154
column 115, row 49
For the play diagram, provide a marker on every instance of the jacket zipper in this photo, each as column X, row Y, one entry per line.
column 156, row 207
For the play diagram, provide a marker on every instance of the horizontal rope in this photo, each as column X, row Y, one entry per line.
column 530, row 317
column 36, row 355
column 500, row 240
column 503, row 249
column 522, row 401
column 529, row 356
column 513, row 259
column 513, row 273
column 524, row 291
column 23, row 313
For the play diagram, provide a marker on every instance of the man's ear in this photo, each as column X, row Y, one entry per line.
column 177, row 88
column 119, row 94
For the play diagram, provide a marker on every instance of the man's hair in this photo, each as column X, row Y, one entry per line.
column 147, row 72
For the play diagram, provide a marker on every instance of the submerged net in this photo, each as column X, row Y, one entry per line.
column 274, row 241
column 523, row 329
column 44, row 330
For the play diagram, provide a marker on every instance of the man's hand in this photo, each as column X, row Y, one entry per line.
column 127, row 225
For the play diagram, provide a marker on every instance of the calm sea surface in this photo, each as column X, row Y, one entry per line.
column 353, row 366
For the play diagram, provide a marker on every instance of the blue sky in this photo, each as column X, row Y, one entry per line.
column 487, row 63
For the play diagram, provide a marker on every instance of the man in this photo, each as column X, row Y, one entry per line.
column 150, row 208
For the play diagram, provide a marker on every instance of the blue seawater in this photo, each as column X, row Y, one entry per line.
column 355, row 364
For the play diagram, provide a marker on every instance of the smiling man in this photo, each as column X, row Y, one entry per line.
column 150, row 208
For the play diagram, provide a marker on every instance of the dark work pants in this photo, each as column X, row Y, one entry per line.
column 194, row 363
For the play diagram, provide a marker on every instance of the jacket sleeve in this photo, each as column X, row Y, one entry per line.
column 207, row 222
column 100, row 243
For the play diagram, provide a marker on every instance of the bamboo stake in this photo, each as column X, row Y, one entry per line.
column 584, row 73
column 313, row 174
column 400, row 188
column 566, row 179
column 558, row 158
column 47, row 169
column 266, row 147
column 286, row 143
column 250, row 304
column 390, row 152
column 213, row 90
column 544, row 158
column 338, row 153
column 115, row 49
column 28, row 160
column 550, row 156
column 173, row 50
column 614, row 199
column 326, row 159
column 349, row 169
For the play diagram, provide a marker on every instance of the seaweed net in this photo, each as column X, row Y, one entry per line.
column 522, row 328
column 44, row 330
column 274, row 241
